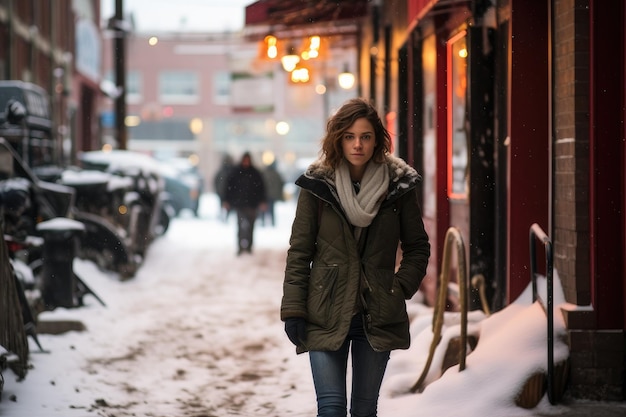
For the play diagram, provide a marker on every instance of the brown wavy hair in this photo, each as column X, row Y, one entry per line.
column 337, row 125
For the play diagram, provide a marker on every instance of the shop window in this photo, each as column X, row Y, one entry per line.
column 458, row 148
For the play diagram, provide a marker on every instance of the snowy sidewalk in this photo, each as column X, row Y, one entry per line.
column 197, row 333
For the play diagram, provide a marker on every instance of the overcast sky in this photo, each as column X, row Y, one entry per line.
column 191, row 15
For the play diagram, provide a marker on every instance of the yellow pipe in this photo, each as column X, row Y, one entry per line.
column 453, row 235
column 478, row 281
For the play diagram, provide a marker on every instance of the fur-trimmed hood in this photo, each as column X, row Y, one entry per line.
column 402, row 177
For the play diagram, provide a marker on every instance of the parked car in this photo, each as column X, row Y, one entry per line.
column 188, row 173
column 148, row 182
column 181, row 190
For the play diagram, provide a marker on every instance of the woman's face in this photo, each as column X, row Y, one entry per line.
column 358, row 143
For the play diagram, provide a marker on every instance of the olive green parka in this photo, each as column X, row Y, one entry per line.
column 330, row 276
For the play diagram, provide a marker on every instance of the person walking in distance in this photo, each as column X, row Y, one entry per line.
column 245, row 193
column 219, row 183
column 274, row 184
column 342, row 294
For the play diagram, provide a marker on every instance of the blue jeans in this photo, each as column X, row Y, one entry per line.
column 329, row 375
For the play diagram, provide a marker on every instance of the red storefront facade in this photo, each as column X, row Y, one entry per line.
column 514, row 113
column 541, row 98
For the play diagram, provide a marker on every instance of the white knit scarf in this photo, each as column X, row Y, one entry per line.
column 361, row 208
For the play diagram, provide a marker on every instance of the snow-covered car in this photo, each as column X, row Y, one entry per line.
column 188, row 173
column 182, row 192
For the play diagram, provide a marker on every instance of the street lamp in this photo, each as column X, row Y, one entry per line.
column 271, row 46
column 300, row 74
column 346, row 78
column 290, row 60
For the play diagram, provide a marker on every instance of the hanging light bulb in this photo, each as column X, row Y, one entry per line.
column 314, row 47
column 272, row 49
column 346, row 78
column 300, row 75
column 290, row 60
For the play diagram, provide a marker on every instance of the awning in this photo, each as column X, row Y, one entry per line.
column 303, row 12
column 329, row 17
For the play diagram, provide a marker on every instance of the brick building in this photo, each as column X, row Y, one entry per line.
column 589, row 191
column 57, row 46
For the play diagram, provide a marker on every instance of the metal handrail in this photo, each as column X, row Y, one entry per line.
column 537, row 233
column 478, row 282
column 453, row 235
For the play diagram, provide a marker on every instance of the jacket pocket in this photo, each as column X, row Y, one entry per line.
column 385, row 300
column 322, row 294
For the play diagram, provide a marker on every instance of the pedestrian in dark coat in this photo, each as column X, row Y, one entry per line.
column 342, row 292
column 219, row 183
column 274, row 184
column 245, row 193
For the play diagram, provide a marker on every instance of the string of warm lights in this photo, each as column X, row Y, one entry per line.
column 294, row 60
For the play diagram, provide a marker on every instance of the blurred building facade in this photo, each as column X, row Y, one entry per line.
column 214, row 94
column 57, row 46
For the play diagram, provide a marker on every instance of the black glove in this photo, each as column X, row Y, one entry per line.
column 296, row 330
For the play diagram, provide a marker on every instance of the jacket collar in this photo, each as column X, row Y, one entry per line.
column 320, row 179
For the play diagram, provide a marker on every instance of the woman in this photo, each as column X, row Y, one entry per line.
column 341, row 290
